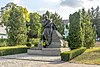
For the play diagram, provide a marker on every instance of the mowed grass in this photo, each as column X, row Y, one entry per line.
column 90, row 56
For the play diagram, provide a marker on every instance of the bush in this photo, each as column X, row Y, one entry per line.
column 36, row 44
column 12, row 50
column 36, row 41
column 3, row 42
column 28, row 44
column 66, row 56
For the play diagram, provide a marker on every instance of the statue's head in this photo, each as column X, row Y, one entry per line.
column 45, row 16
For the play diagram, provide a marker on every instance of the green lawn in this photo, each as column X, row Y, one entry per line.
column 90, row 56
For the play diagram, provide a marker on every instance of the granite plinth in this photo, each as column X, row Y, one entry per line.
column 47, row 51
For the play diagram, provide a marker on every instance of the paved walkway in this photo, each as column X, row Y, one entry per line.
column 24, row 60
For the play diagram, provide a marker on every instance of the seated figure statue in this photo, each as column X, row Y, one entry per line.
column 52, row 43
column 48, row 30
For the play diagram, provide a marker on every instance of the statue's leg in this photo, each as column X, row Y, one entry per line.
column 45, row 36
column 49, row 36
column 42, row 40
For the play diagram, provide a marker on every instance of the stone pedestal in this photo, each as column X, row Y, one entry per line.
column 55, row 48
column 47, row 51
column 57, row 40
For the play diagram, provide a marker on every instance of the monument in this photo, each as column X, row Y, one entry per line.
column 52, row 42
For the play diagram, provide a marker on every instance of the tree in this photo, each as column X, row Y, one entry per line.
column 57, row 20
column 17, row 25
column 75, row 38
column 95, row 18
column 6, row 12
column 93, row 28
column 35, row 25
column 88, row 30
column 5, row 17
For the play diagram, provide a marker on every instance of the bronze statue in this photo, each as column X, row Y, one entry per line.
column 48, row 30
column 51, row 38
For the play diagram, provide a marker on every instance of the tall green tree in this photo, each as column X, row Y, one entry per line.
column 82, row 31
column 88, row 30
column 95, row 18
column 17, row 25
column 6, row 12
column 35, row 24
column 57, row 20
column 93, row 28
column 97, row 21
column 75, row 38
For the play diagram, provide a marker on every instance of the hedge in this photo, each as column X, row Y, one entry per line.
column 66, row 56
column 12, row 50
column 3, row 42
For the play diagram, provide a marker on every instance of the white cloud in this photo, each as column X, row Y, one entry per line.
column 65, row 11
column 71, row 3
column 92, row 0
column 17, row 1
column 53, row 1
column 43, row 10
column 93, row 3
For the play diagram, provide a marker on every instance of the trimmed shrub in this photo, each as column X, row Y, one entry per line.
column 14, row 50
column 66, row 56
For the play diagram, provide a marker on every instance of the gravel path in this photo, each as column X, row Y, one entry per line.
column 24, row 60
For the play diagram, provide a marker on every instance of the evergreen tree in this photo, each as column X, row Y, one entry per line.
column 89, row 32
column 95, row 18
column 75, row 38
column 35, row 25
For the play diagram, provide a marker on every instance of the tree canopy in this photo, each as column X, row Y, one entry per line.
column 35, row 25
column 57, row 20
column 15, row 19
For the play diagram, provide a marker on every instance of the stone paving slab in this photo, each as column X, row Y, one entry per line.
column 24, row 60
column 25, row 56
column 67, row 64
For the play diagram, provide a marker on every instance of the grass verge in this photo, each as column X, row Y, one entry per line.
column 90, row 56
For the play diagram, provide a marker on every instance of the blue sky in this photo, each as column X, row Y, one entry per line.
column 62, row 7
